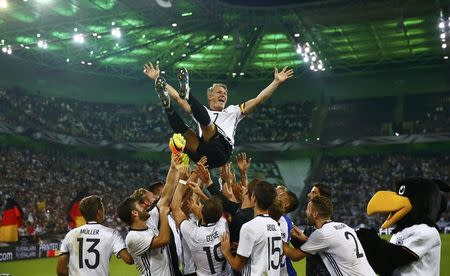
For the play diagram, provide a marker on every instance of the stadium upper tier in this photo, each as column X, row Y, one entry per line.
column 289, row 122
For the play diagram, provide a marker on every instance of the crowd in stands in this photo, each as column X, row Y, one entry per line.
column 140, row 123
column 354, row 180
column 44, row 184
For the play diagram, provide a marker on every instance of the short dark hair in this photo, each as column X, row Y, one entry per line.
column 265, row 194
column 251, row 186
column 155, row 187
column 89, row 207
column 323, row 206
column 325, row 190
column 125, row 208
column 276, row 209
column 212, row 210
column 293, row 202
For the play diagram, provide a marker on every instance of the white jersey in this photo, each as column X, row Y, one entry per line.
column 226, row 121
column 90, row 247
column 204, row 243
column 148, row 261
column 285, row 238
column 425, row 242
column 138, row 243
column 260, row 242
column 340, row 249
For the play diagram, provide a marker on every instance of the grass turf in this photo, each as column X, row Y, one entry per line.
column 45, row 267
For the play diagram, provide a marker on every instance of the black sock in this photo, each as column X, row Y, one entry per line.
column 175, row 121
column 199, row 111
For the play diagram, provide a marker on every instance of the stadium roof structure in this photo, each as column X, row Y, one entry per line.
column 223, row 39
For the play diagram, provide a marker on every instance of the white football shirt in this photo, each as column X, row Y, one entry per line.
column 204, row 243
column 148, row 261
column 340, row 249
column 285, row 238
column 226, row 121
column 260, row 242
column 425, row 242
column 90, row 247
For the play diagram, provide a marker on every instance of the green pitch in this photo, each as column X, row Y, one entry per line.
column 45, row 267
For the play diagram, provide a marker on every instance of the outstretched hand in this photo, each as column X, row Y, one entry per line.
column 150, row 71
column 283, row 75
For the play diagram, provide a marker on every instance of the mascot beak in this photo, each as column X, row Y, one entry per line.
column 389, row 202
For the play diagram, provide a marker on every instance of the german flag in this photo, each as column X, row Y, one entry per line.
column 11, row 221
column 74, row 217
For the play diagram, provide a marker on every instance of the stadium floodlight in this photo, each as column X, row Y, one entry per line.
column 320, row 65
column 115, row 32
column 307, row 49
column 3, row 4
column 78, row 38
column 42, row 44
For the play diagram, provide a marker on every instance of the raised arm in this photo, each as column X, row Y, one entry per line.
column 175, row 205
column 243, row 162
column 153, row 73
column 163, row 238
column 279, row 77
column 171, row 181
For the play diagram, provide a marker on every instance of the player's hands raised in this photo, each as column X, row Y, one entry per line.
column 150, row 71
column 243, row 161
column 176, row 160
column 195, row 188
column 202, row 171
column 225, row 243
column 283, row 75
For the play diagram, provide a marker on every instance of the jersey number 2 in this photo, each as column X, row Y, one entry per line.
column 347, row 236
column 90, row 250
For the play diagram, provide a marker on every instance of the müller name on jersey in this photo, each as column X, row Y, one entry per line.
column 89, row 231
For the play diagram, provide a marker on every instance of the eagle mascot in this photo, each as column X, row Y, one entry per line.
column 415, row 246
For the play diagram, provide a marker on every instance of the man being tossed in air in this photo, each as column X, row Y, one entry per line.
column 217, row 124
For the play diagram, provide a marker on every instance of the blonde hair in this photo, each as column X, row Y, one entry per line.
column 210, row 89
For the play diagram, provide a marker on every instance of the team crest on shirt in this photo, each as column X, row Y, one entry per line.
column 399, row 240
